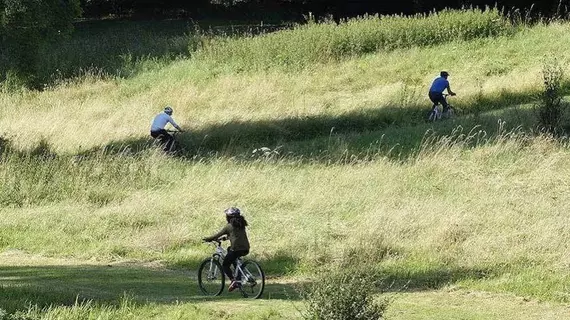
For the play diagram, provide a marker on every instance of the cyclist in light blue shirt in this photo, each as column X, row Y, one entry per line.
column 157, row 130
column 438, row 86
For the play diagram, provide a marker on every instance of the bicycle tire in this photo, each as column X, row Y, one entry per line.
column 252, row 287
column 212, row 270
column 432, row 116
column 448, row 114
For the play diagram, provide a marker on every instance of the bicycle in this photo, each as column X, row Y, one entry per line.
column 436, row 114
column 162, row 141
column 248, row 274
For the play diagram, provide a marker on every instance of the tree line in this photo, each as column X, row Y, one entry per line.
column 296, row 9
column 26, row 25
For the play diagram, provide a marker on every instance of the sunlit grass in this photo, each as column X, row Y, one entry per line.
column 459, row 204
column 96, row 112
column 327, row 42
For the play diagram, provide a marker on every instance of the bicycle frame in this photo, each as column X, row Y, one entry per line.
column 220, row 255
column 168, row 147
column 438, row 113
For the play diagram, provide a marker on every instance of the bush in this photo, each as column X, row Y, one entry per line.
column 551, row 108
column 343, row 294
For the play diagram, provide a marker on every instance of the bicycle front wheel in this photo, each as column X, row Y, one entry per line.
column 252, row 281
column 451, row 112
column 432, row 116
column 211, row 277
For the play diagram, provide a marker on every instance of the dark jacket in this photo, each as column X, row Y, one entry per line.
column 237, row 236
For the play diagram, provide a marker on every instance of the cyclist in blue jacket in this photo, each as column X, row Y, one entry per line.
column 436, row 90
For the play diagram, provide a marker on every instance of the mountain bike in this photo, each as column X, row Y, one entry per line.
column 436, row 114
column 247, row 273
column 161, row 141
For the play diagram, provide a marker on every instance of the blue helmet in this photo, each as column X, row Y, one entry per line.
column 232, row 212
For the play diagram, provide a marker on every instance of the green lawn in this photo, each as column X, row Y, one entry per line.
column 73, row 289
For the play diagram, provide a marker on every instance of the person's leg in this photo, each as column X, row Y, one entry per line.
column 434, row 97
column 165, row 139
column 230, row 259
column 444, row 104
column 239, row 254
column 169, row 143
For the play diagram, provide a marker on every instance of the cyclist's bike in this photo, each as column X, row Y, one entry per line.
column 437, row 114
column 162, row 142
column 248, row 274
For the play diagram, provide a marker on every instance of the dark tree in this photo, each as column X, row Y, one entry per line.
column 295, row 9
column 25, row 25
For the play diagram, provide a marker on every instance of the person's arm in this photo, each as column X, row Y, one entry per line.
column 449, row 90
column 222, row 232
column 174, row 124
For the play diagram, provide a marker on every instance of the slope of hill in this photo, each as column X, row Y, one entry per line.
column 470, row 210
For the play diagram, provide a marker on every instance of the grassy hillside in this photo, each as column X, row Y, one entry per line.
column 359, row 94
column 471, row 209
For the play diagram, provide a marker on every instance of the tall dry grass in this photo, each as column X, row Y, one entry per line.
column 328, row 42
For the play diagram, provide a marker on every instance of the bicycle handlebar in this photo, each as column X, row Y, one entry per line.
column 219, row 240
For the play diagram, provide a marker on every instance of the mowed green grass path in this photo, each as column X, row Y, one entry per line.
column 128, row 290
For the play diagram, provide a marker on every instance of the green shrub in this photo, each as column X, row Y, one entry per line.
column 344, row 294
column 550, row 108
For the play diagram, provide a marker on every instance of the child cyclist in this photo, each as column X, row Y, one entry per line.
column 239, row 244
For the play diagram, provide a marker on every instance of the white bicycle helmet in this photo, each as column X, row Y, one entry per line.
column 232, row 212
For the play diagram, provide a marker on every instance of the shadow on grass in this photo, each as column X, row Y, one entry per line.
column 50, row 285
column 123, row 48
column 115, row 48
column 394, row 132
column 431, row 279
column 109, row 285
column 389, row 131
column 46, row 286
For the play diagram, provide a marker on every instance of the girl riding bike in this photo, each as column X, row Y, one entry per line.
column 239, row 243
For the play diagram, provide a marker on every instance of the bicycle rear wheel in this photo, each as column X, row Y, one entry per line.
column 211, row 278
column 252, row 280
